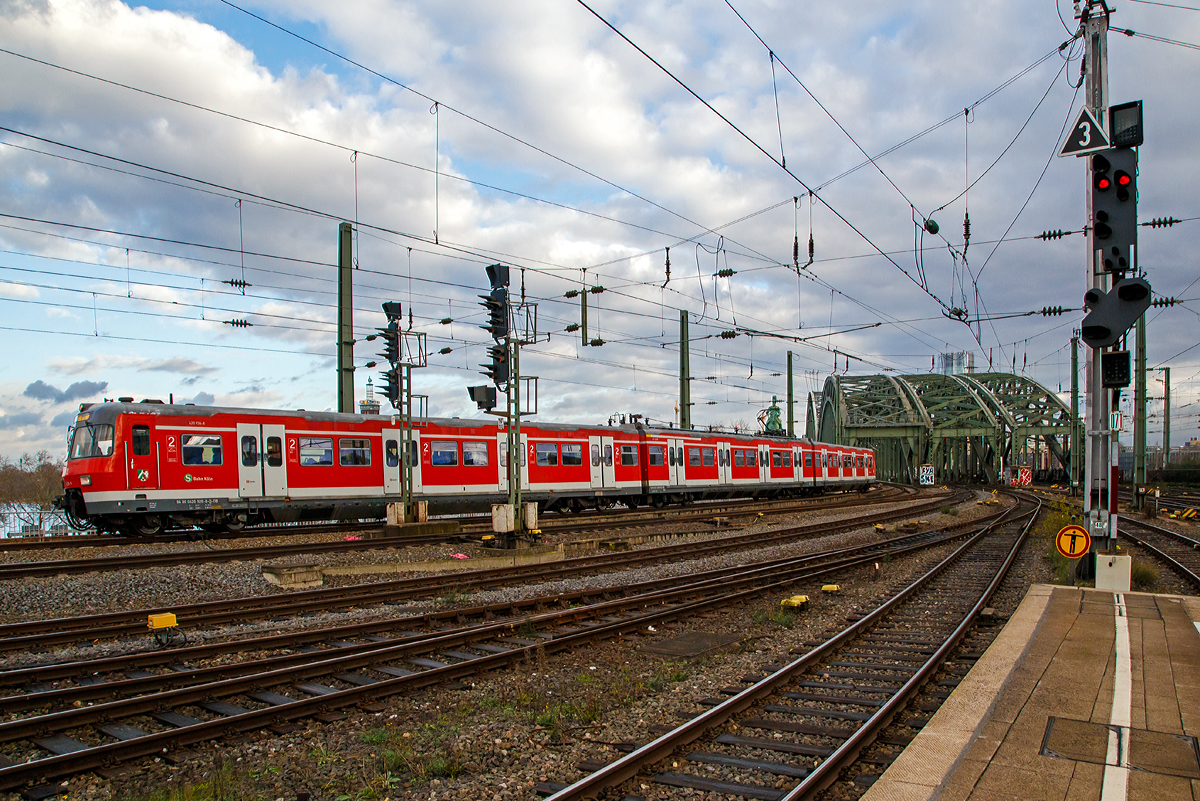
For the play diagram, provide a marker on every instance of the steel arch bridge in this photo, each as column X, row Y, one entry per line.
column 971, row 427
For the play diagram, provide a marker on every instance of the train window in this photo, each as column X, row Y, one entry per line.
column 443, row 454
column 391, row 452
column 141, row 440
column 316, row 451
column 776, row 459
column 201, row 449
column 250, row 451
column 547, row 454
column 91, row 441
column 671, row 456
column 608, row 455
column 693, row 457
column 739, row 458
column 572, row 454
column 629, row 456
column 504, row 457
column 808, row 459
column 596, row 456
column 274, row 452
column 751, row 458
column 787, row 458
column 710, row 456
column 654, row 455
column 354, row 452
column 475, row 454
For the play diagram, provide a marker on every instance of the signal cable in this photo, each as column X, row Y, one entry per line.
column 1154, row 38
column 762, row 150
column 464, row 115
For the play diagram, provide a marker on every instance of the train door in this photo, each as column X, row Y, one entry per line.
column 391, row 461
column 764, row 467
column 141, row 459
column 596, row 460
column 523, row 467
column 527, row 448
column 250, row 478
column 274, row 466
column 724, row 457
column 675, row 462
column 502, row 461
column 607, row 460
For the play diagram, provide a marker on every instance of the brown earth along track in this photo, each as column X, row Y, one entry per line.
column 824, row 708
column 42, row 633
column 664, row 607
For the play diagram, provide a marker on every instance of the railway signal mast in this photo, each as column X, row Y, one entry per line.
column 402, row 350
column 1117, row 296
column 511, row 326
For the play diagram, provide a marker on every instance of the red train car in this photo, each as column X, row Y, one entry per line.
column 143, row 467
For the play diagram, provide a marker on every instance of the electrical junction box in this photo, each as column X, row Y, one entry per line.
column 164, row 621
column 1113, row 572
column 1115, row 372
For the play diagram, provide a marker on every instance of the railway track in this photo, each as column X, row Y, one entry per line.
column 471, row 524
column 21, row 570
column 189, row 701
column 1178, row 551
column 789, row 735
column 42, row 634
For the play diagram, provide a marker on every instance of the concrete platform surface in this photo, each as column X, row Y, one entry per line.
column 1086, row 694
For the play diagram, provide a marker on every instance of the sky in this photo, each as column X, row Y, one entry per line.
column 154, row 157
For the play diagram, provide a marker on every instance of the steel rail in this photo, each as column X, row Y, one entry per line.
column 27, row 634
column 79, row 761
column 87, row 668
column 628, row 766
column 1187, row 573
column 16, row 570
column 293, row 667
column 551, row 521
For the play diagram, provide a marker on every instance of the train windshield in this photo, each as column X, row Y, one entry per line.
column 89, row 442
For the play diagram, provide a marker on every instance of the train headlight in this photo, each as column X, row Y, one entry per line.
column 85, row 481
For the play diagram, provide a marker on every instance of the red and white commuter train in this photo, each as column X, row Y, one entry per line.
column 142, row 467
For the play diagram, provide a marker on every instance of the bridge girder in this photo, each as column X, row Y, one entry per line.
column 970, row 427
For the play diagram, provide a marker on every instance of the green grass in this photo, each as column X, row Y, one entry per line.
column 1143, row 577
column 777, row 616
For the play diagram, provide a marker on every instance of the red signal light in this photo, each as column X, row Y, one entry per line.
column 1103, row 182
column 1123, row 179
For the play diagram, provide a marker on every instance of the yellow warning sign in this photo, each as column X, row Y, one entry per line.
column 1073, row 541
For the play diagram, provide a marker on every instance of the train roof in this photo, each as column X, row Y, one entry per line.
column 108, row 411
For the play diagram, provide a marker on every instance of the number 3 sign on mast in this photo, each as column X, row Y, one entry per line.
column 1087, row 136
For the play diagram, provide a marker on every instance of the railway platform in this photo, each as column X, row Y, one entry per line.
column 1086, row 694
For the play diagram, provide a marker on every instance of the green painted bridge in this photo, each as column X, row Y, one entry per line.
column 970, row 427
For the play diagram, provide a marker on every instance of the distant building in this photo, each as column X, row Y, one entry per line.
column 369, row 405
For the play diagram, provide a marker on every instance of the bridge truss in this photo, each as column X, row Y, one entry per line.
column 970, row 427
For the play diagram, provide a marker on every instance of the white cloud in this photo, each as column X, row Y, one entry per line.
column 14, row 290
column 557, row 78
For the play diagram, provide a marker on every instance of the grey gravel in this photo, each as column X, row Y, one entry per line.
column 490, row 727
